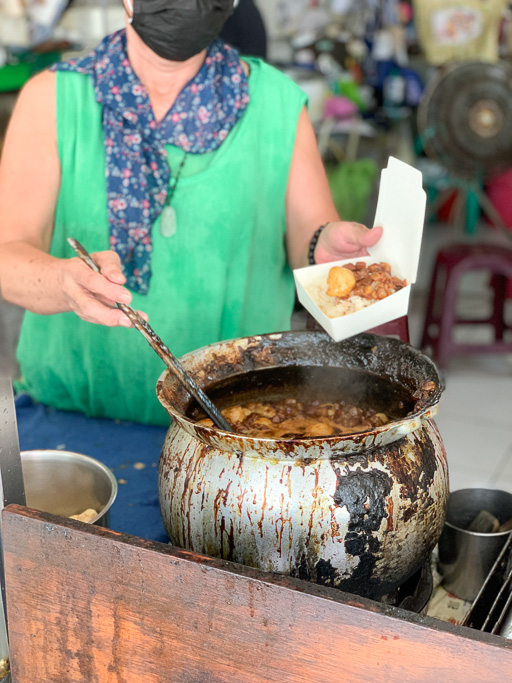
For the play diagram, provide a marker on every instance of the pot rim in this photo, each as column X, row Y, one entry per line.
column 348, row 443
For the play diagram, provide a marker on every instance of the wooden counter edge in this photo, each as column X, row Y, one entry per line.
column 89, row 604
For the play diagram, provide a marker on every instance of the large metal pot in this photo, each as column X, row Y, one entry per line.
column 360, row 512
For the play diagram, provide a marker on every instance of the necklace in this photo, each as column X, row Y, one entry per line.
column 168, row 219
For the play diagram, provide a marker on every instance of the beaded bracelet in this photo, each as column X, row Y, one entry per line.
column 313, row 243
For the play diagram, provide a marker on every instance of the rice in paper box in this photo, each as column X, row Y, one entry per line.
column 401, row 212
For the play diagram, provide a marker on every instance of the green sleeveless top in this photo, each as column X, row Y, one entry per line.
column 222, row 275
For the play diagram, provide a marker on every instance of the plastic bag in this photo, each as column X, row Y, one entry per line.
column 459, row 31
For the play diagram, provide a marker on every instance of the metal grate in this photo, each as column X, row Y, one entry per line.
column 491, row 611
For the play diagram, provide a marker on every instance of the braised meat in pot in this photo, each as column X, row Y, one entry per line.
column 292, row 419
column 306, row 402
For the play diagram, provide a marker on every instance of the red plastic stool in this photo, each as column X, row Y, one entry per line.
column 398, row 328
column 450, row 264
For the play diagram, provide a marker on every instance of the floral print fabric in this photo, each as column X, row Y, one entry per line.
column 137, row 170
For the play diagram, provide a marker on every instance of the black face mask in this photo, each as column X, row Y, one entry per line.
column 179, row 29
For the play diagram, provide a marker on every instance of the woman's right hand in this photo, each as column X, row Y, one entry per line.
column 29, row 276
column 93, row 296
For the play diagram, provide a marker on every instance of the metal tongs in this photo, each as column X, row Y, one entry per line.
column 160, row 348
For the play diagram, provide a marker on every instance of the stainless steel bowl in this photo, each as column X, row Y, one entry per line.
column 65, row 483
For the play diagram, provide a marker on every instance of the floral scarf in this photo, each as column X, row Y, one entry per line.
column 137, row 169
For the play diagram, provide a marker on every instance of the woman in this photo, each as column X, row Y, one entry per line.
column 195, row 178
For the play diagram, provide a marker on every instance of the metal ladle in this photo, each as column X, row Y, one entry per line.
column 160, row 348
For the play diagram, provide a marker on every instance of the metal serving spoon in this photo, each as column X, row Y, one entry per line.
column 160, row 348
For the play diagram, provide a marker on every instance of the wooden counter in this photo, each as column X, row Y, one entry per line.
column 91, row 605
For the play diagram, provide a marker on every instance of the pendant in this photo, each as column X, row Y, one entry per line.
column 168, row 222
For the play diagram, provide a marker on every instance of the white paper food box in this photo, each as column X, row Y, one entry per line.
column 400, row 211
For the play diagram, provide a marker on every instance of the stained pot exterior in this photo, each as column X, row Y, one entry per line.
column 359, row 513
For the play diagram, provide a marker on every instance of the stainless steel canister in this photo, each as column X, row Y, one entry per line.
column 466, row 557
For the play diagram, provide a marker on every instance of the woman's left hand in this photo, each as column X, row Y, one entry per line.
column 343, row 239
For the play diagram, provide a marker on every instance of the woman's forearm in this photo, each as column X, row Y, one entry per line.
column 308, row 200
column 310, row 205
column 43, row 284
column 31, row 278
